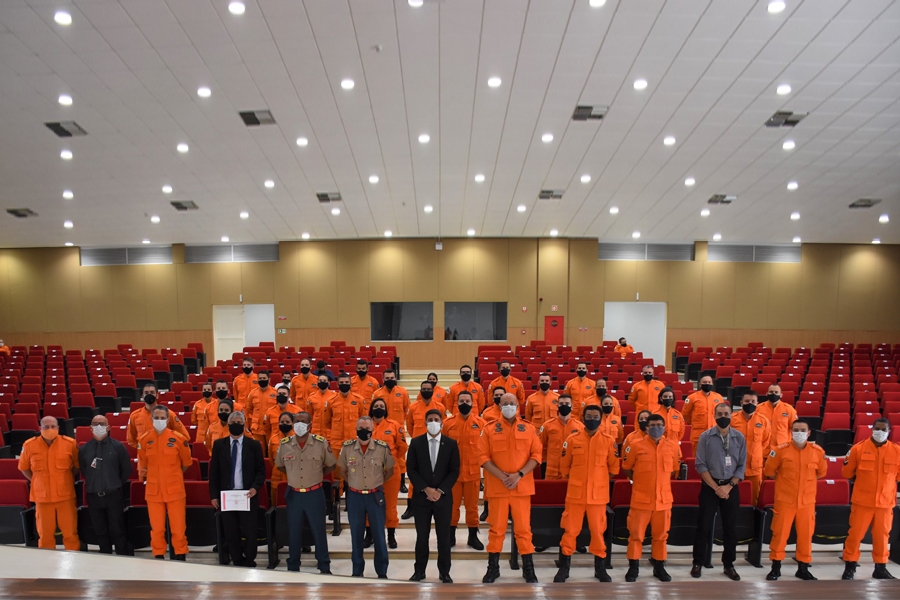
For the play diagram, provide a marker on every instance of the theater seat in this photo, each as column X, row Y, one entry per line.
column 14, row 506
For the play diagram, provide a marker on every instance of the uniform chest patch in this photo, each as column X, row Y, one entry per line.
column 172, row 440
column 759, row 424
column 498, row 428
column 784, row 414
column 521, row 428
column 387, row 432
column 353, row 402
column 587, row 387
column 398, row 394
column 170, row 445
column 674, row 417
column 474, row 425
column 555, row 402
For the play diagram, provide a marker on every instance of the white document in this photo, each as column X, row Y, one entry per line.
column 234, row 500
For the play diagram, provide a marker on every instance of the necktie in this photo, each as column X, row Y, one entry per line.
column 433, row 453
column 234, row 463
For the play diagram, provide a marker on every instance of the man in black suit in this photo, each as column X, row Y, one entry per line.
column 237, row 464
column 432, row 464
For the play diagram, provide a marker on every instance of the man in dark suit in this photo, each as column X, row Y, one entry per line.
column 432, row 464
column 237, row 464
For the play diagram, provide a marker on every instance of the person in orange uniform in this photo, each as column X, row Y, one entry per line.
column 303, row 385
column 795, row 465
column 465, row 427
column 674, row 419
column 623, row 348
column 510, row 450
column 699, row 409
column 318, row 404
column 415, row 424
column 221, row 393
column 582, row 389
column 651, row 463
column 466, row 384
column 509, row 384
column 492, row 412
column 362, row 385
column 341, row 415
column 284, row 430
column 440, row 393
column 781, row 416
column 262, row 398
column 645, row 394
column 50, row 463
column 640, row 431
column 199, row 416
column 390, row 431
column 139, row 421
column 272, row 416
column 542, row 405
column 610, row 424
column 588, row 462
column 874, row 467
column 218, row 429
column 757, row 432
column 163, row 457
column 244, row 383
column 602, row 390
column 4, row 349
column 396, row 399
column 553, row 434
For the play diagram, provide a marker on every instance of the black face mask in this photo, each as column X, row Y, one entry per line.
column 591, row 424
column 379, row 413
column 363, row 434
column 149, row 398
column 207, row 393
column 648, row 376
column 773, row 398
column 465, row 409
column 565, row 410
column 642, row 425
column 607, row 409
column 723, row 422
column 361, row 374
column 426, row 394
column 304, row 370
column 285, row 427
column 544, row 386
column 581, row 372
column 263, row 383
column 466, row 376
column 706, row 387
column 601, row 392
column 224, row 417
column 323, row 385
column 221, row 394
column 390, row 383
column 247, row 370
column 749, row 408
column 235, row 428
column 344, row 387
column 504, row 372
column 286, row 381
column 667, row 402
column 282, row 399
column 497, row 400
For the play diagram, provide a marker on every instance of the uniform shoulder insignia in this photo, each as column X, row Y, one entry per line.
column 772, row 453
column 687, row 401
column 285, row 440
column 349, row 442
column 187, row 444
column 614, row 422
column 542, row 429
column 627, row 449
column 565, row 445
column 321, row 438
column 381, row 443
column 784, row 445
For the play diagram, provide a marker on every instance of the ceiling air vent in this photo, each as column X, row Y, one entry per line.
column 583, row 112
column 252, row 118
column 183, row 205
column 865, row 203
column 721, row 199
column 785, row 118
column 65, row 129
column 21, row 213
column 327, row 197
column 550, row 194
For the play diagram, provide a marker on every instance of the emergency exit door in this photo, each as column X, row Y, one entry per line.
column 554, row 331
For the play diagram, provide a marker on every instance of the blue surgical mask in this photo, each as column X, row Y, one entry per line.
column 655, row 431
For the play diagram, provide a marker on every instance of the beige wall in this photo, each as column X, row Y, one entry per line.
column 324, row 290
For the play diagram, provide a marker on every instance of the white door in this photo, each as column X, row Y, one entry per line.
column 642, row 324
column 228, row 331
column 259, row 324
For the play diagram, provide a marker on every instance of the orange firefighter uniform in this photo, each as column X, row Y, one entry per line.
column 699, row 412
column 645, row 395
column 242, row 386
column 468, row 386
column 553, row 434
column 391, row 433
column 492, row 413
column 512, row 385
column 781, row 418
column 652, row 465
column 140, row 422
column 162, row 458
column 270, row 420
column 212, row 411
column 757, row 431
column 396, row 400
column 467, row 433
column 53, row 471
column 274, row 442
column 876, row 471
column 541, row 406
column 302, row 386
column 633, row 437
column 365, row 389
column 795, row 472
column 611, row 427
column 583, row 392
column 200, row 419
column 624, row 350
column 674, row 423
column 217, row 431
column 318, row 405
column 509, row 447
column 340, row 419
column 261, row 400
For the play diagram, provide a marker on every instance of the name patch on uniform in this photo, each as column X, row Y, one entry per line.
column 521, row 428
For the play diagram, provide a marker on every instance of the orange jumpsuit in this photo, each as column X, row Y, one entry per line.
column 199, row 419
column 274, row 442
column 700, row 413
column 140, row 422
column 164, row 456
column 583, row 392
column 270, row 420
column 624, row 350
column 756, row 431
column 5, row 351
column 318, row 404
column 302, row 386
column 364, row 388
column 876, row 471
column 645, row 395
column 53, row 488
column 391, row 433
column 651, row 493
column 477, row 396
column 492, row 413
column 509, row 447
column 781, row 417
column 541, row 407
column 396, row 400
column 217, row 431
column 674, row 423
column 261, row 400
column 633, row 437
column 415, row 422
column 795, row 472
column 587, row 462
column 212, row 411
column 512, row 385
column 611, row 427
column 467, row 433
column 242, row 386
column 340, row 420
column 553, row 434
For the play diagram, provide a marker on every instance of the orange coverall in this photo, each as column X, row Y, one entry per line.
column 242, row 386
column 270, row 421
column 53, row 488
column 318, row 404
column 583, row 392
column 364, row 388
column 645, row 395
column 587, row 462
column 467, row 433
column 340, row 419
column 757, row 432
column 274, row 442
column 261, row 400
column 674, row 423
column 652, row 465
column 140, row 422
column 509, row 447
column 512, row 385
column 200, row 419
column 492, row 413
column 876, row 471
column 781, row 417
column 217, row 431
column 553, row 434
column 700, row 413
column 212, row 412
column 163, row 457
column 623, row 350
column 396, row 401
column 541, row 407
column 611, row 427
column 391, row 433
column 473, row 388
column 795, row 472
column 302, row 386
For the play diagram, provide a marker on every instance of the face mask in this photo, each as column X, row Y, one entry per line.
column 263, row 383
column 149, row 398
column 301, row 429
column 426, row 394
column 221, row 394
column 49, row 434
column 466, row 376
column 99, row 431
column 286, row 381
column 648, row 376
column 723, row 422
column 509, row 411
column 497, row 400
column 390, row 383
column 773, row 398
column 247, row 370
column 433, row 383
column 361, row 374
column 591, row 424
column 749, row 408
column 581, row 372
column 282, row 399
column 304, row 370
column 668, row 402
column 706, row 387
column 601, row 392
column 656, row 432
column 465, row 409
column 504, row 372
column 799, row 436
column 284, row 427
column 434, row 427
column 363, row 434
column 606, row 409
column 223, row 416
column 235, row 428
column 207, row 393
column 160, row 424
column 379, row 413
column 565, row 410
column 344, row 387
column 879, row 436
column 642, row 425
column 322, row 385
column 544, row 386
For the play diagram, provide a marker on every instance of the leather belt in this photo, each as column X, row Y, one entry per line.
column 723, row 482
column 308, row 489
column 372, row 491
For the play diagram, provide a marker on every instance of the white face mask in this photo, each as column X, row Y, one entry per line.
column 301, row 428
column 160, row 424
column 434, row 427
column 99, row 431
column 799, row 436
column 509, row 411
column 880, row 436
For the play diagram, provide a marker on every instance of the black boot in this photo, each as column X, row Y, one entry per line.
column 634, row 569
column 659, row 570
column 181, row 557
column 474, row 542
column 392, row 538
column 453, row 537
column 528, row 569
column 803, row 572
column 600, row 570
column 407, row 515
column 881, row 572
column 849, row 570
column 564, row 563
column 493, row 570
column 403, row 488
column 368, row 541
column 484, row 513
column 775, row 573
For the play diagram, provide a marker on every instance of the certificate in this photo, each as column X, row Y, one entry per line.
column 234, row 500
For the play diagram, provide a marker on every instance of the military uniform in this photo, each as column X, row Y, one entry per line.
column 366, row 470
column 304, row 466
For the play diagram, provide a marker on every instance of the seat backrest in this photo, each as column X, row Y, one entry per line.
column 14, row 492
column 549, row 492
column 9, row 469
column 766, row 493
column 832, row 492
column 621, row 493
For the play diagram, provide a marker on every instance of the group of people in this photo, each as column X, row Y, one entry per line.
column 460, row 437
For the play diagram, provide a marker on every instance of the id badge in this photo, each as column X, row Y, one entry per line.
column 727, row 461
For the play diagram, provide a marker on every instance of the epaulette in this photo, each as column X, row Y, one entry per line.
column 286, row 440
column 382, row 443
column 321, row 438
column 349, row 442
column 784, row 445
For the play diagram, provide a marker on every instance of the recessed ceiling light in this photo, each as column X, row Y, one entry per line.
column 494, row 82
column 783, row 89
column 69, row 244
column 62, row 17
column 470, row 232
column 795, row 216
column 585, row 178
column 547, row 138
column 521, row 208
column 776, row 7
column 424, row 138
column 335, row 211
column 269, row 184
column 613, row 210
column 65, row 99
column 145, row 241
column 636, row 235
column 182, row 147
column 347, row 84
column 717, row 237
column 167, row 189
column 416, row 3
column 373, row 178
column 690, row 181
column 428, row 209
column 68, row 224
column 640, row 84
column 876, row 241
column 554, row 232
column 789, row 145
column 236, row 8
column 66, row 155
column 597, row 3
column 245, row 215
column 884, row 219
column 792, row 185
column 225, row 238
column 704, row 212
column 154, row 219
column 204, row 92
column 669, row 140
column 302, row 142
column 479, row 178
column 796, row 239
column 304, row 235
column 68, row 195
column 388, row 233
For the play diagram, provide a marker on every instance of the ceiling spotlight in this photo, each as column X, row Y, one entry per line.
column 717, row 237
column 494, row 82
column 182, row 147
column 554, row 232
column 236, row 8
column 783, row 89
column 69, row 244
column 690, row 181
column 416, row 3
column 585, row 178
column 335, row 211
column 704, row 212
column 68, row 195
column 597, row 3
column 876, row 241
column 479, row 177
column 789, row 145
column 636, row 235
column 640, row 84
column 884, row 219
column 347, row 84
column 305, row 235
column 373, row 178
column 154, row 219
column 669, row 140
column 547, row 138
column 145, row 241
column 613, row 210
column 225, row 238
column 66, row 155
column 302, row 142
column 62, row 17
column 167, row 189
column 792, row 185
column 424, row 138
column 796, row 239
column 470, row 232
column 68, row 224
column 65, row 100
column 795, row 216
column 245, row 215
column 204, row 92
column 388, row 233
column 428, row 209
column 776, row 7
column 269, row 184
column 521, row 208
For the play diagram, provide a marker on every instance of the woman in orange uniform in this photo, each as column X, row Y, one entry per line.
column 391, row 433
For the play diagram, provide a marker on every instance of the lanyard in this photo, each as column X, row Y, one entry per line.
column 726, row 441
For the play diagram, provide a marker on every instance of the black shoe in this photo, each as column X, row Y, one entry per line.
column 565, row 562
column 474, row 542
column 357, row 575
column 445, row 578
column 326, row 571
column 250, row 564
column 297, row 570
column 881, row 572
column 775, row 573
column 408, row 514
column 181, row 557
column 384, row 576
column 452, row 537
column 403, row 488
column 850, row 570
column 368, row 541
column 540, row 548
column 580, row 549
column 696, row 571
column 417, row 577
column 305, row 549
column 528, row 569
column 634, row 569
column 803, row 572
column 162, row 557
column 659, row 570
column 392, row 538
column 731, row 574
column 484, row 513
column 600, row 570
column 493, row 569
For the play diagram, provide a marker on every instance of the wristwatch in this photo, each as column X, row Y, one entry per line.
column 521, row 474
column 732, row 483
